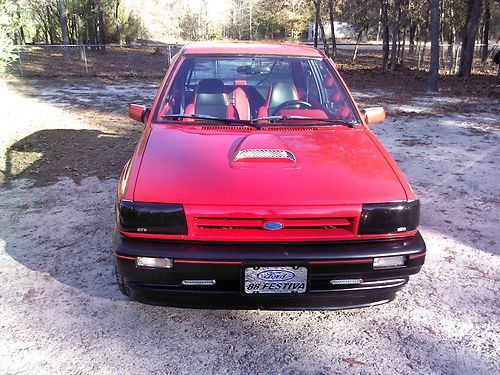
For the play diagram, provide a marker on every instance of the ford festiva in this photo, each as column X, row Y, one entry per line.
column 257, row 183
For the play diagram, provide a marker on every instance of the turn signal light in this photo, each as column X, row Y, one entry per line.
column 154, row 262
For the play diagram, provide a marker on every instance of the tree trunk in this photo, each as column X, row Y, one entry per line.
column 379, row 26
column 74, row 30
column 21, row 35
column 91, row 24
column 451, row 39
column 355, row 53
column 469, row 37
column 395, row 34
column 71, row 30
column 401, row 60
column 52, row 33
column 432, row 82
column 316, row 23
column 385, row 35
column 64, row 28
column 421, row 57
column 332, row 26
column 102, row 31
column 486, row 30
column 413, row 30
column 400, row 42
column 118, row 28
column 80, row 39
column 323, row 36
column 317, row 4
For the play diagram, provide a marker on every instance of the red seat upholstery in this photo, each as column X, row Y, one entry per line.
column 241, row 101
column 210, row 99
column 342, row 110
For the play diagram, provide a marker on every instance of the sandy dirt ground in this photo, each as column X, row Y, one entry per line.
column 62, row 146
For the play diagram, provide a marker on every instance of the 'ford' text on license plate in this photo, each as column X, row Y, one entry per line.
column 260, row 280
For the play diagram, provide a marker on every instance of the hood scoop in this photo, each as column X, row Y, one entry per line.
column 264, row 154
column 263, row 147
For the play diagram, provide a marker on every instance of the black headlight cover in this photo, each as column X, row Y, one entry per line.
column 156, row 218
column 395, row 217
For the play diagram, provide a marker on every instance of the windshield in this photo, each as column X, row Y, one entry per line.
column 252, row 87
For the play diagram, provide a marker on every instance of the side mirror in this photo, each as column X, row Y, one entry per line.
column 138, row 112
column 374, row 115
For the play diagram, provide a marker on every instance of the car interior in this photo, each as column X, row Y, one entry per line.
column 280, row 87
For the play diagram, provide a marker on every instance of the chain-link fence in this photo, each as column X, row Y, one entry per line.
column 152, row 60
column 91, row 60
column 369, row 55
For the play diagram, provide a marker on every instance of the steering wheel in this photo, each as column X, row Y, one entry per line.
column 289, row 103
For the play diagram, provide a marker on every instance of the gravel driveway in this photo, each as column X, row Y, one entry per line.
column 61, row 149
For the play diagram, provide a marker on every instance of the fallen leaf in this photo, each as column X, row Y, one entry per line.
column 353, row 361
column 30, row 295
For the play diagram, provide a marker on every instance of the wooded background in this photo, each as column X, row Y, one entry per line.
column 460, row 27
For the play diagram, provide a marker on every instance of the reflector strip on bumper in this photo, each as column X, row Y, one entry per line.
column 125, row 257
column 221, row 262
column 341, row 261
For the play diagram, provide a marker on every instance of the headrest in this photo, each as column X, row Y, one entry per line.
column 210, row 86
column 329, row 82
column 282, row 92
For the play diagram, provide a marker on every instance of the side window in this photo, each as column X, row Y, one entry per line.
column 337, row 102
column 330, row 83
column 310, row 85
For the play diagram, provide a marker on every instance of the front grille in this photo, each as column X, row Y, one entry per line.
column 273, row 223
column 331, row 225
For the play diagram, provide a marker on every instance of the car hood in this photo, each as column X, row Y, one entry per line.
column 207, row 165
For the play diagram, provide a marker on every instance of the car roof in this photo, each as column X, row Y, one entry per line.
column 250, row 48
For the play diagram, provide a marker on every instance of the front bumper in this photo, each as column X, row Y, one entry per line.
column 224, row 263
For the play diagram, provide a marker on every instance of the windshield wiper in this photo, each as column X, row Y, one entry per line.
column 253, row 122
column 285, row 118
column 212, row 118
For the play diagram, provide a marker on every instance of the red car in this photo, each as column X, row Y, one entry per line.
column 257, row 183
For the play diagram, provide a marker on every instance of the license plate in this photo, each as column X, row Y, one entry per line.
column 275, row 280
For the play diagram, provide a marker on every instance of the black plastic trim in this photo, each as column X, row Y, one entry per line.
column 268, row 251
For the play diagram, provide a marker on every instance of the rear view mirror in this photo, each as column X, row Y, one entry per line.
column 138, row 112
column 253, row 70
column 374, row 115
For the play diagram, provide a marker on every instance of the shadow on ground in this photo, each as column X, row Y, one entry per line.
column 47, row 155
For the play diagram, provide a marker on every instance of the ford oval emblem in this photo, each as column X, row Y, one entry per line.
column 275, row 275
column 272, row 225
